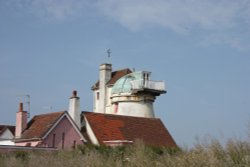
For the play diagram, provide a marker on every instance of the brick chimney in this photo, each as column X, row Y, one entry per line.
column 74, row 109
column 21, row 121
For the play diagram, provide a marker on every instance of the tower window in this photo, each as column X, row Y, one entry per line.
column 97, row 95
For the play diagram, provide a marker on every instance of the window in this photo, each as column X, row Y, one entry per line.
column 54, row 140
column 63, row 136
column 74, row 144
column 97, row 95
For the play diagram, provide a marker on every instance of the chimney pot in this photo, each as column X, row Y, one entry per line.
column 21, row 107
column 74, row 93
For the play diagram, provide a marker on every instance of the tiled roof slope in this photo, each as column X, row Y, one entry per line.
column 108, row 127
column 40, row 125
column 10, row 127
column 114, row 77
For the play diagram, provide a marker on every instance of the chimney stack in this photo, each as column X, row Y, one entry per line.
column 74, row 109
column 105, row 76
column 21, row 121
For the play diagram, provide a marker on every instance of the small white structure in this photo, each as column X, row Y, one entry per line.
column 7, row 142
column 126, row 93
column 7, row 134
column 74, row 109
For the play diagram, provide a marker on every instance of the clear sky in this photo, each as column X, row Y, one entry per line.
column 200, row 48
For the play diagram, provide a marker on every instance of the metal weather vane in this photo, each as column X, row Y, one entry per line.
column 109, row 54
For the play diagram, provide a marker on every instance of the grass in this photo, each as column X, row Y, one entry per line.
column 234, row 154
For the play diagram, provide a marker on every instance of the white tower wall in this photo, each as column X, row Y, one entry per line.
column 96, row 100
column 137, row 109
column 108, row 101
column 133, row 105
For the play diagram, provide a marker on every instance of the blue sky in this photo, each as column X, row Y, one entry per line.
column 201, row 49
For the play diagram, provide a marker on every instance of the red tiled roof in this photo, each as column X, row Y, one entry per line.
column 114, row 77
column 108, row 127
column 40, row 125
column 10, row 127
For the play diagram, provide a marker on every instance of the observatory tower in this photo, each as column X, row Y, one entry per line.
column 124, row 92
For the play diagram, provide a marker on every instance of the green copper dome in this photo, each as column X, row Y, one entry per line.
column 123, row 85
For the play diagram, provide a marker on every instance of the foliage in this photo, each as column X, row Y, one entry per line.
column 208, row 154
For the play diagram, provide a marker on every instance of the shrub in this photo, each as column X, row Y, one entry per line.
column 208, row 154
column 23, row 155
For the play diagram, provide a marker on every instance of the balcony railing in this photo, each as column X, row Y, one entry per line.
column 147, row 84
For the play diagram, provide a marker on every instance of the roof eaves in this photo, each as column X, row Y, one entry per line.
column 90, row 126
column 17, row 140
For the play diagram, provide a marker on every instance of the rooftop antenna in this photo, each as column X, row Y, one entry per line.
column 109, row 54
column 28, row 104
column 26, row 98
column 48, row 107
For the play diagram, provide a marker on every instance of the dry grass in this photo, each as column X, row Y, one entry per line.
column 234, row 154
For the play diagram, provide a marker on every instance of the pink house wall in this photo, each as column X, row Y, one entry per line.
column 55, row 137
column 63, row 128
column 30, row 143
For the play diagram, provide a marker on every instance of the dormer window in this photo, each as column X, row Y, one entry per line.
column 146, row 75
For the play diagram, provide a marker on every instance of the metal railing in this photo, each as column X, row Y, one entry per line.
column 147, row 84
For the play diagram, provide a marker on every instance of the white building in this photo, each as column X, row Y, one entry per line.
column 123, row 110
column 7, row 134
column 125, row 92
